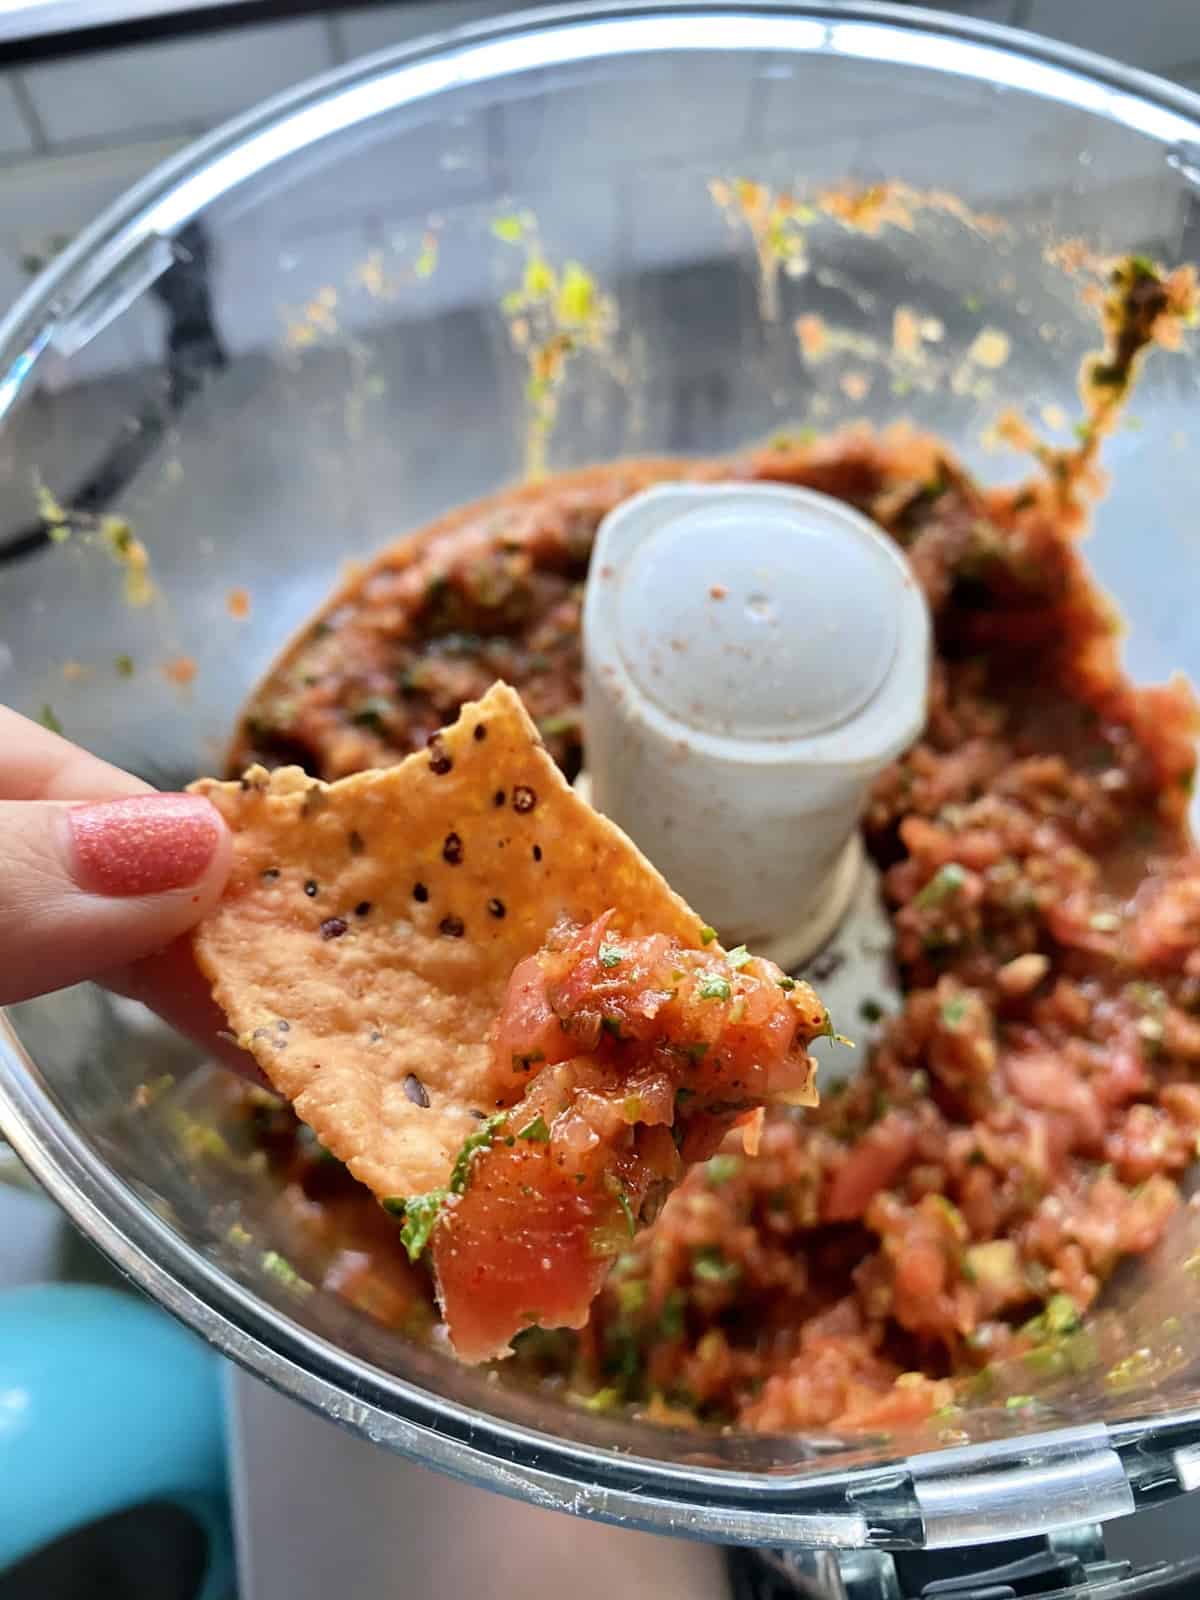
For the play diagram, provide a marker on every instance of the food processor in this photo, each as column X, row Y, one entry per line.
column 316, row 330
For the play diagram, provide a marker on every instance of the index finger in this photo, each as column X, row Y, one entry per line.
column 36, row 764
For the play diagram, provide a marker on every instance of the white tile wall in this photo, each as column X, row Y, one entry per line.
column 1156, row 34
column 376, row 27
column 15, row 136
column 184, row 83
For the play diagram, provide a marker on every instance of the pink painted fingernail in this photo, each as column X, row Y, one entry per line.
column 143, row 845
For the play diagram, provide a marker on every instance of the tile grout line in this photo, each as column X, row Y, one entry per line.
column 28, row 111
column 336, row 39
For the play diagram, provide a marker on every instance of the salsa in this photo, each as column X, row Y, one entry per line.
column 1023, row 1123
column 639, row 1055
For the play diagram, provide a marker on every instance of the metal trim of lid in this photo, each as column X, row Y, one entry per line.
column 911, row 1504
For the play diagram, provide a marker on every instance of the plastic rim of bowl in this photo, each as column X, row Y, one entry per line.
column 976, row 1493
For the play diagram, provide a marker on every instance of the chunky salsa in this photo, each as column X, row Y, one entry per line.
column 1022, row 1125
column 639, row 1055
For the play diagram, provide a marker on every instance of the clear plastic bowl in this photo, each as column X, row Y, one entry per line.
column 292, row 344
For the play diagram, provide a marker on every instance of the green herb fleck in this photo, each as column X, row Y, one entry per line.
column 710, row 1266
column 738, row 957
column 954, row 1011
column 511, row 229
column 786, row 984
column 631, row 1295
column 714, row 988
column 720, row 1168
column 124, row 666
column 48, row 720
column 707, row 934
column 670, row 1321
column 394, row 1204
column 611, row 1025
column 945, row 883
column 371, row 713
column 611, row 955
column 603, row 1400
column 537, row 1131
column 421, row 1213
column 460, row 1175
column 282, row 1269
column 627, row 1210
column 1017, row 1402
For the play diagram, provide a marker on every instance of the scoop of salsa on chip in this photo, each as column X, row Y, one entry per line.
column 486, row 1002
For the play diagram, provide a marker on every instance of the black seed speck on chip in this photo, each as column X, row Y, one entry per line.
column 333, row 928
column 362, row 908
column 416, row 1090
column 310, row 888
column 524, row 798
column 420, row 892
column 452, row 926
column 452, row 849
column 537, row 852
column 356, row 842
column 270, row 873
column 440, row 761
column 499, row 797
column 481, row 730
column 496, row 907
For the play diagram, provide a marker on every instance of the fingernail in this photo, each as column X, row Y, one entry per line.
column 143, row 845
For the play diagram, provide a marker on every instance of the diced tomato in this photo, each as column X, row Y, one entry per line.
column 874, row 1163
column 639, row 1056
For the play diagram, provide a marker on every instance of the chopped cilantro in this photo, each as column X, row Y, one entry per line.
column 537, row 1131
column 670, row 1321
column 786, row 984
column 460, row 1175
column 627, row 1209
column 631, row 1295
column 611, row 1025
column 282, row 1269
column 710, row 1266
column 611, row 955
column 720, row 1168
column 945, row 883
column 954, row 1011
column 48, row 720
column 603, row 1400
column 707, row 934
column 714, row 988
column 394, row 1204
column 124, row 666
column 738, row 957
column 372, row 712
column 421, row 1213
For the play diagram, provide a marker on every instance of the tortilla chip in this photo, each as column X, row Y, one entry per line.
column 370, row 926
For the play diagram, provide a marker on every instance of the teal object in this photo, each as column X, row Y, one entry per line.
column 105, row 1404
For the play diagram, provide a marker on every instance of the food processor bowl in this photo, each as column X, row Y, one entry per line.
column 330, row 322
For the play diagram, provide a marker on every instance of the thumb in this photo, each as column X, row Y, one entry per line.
column 85, row 889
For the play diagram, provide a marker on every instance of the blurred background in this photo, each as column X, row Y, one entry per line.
column 95, row 93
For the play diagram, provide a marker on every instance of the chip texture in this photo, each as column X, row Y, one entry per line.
column 362, row 948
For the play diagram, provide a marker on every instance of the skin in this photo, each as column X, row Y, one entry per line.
column 59, row 926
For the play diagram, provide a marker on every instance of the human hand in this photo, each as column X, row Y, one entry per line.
column 100, row 877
